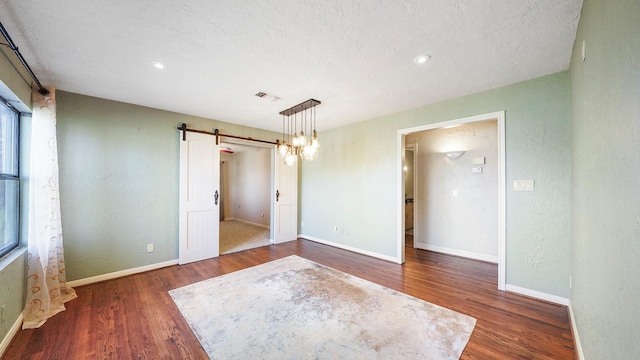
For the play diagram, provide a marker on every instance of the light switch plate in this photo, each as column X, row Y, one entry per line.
column 522, row 185
column 478, row 160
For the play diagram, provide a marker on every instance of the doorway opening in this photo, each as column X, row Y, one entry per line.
column 409, row 173
column 199, row 210
column 459, row 188
column 245, row 201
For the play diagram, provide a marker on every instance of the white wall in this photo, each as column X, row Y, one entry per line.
column 252, row 185
column 455, row 209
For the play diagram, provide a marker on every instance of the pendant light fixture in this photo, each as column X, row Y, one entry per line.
column 296, row 144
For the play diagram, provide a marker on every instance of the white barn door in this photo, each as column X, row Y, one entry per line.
column 285, row 220
column 199, row 225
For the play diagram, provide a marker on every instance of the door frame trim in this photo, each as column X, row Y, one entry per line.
column 400, row 145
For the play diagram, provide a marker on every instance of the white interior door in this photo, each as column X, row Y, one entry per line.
column 285, row 220
column 199, row 224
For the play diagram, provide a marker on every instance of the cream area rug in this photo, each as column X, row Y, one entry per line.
column 293, row 308
column 237, row 236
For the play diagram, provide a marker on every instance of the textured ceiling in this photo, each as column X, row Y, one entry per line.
column 354, row 56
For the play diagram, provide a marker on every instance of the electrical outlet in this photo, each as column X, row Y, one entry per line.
column 301, row 223
column 2, row 313
column 262, row 214
column 335, row 229
column 149, row 248
column 570, row 281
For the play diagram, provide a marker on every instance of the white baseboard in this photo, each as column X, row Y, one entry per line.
column 576, row 337
column 456, row 252
column 251, row 223
column 12, row 332
column 273, row 241
column 538, row 295
column 117, row 274
column 350, row 248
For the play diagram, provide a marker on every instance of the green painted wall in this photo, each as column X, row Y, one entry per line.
column 605, row 102
column 352, row 185
column 12, row 273
column 119, row 182
column 12, row 291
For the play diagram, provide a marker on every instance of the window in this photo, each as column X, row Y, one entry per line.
column 9, row 178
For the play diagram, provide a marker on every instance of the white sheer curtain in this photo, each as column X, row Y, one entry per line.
column 47, row 289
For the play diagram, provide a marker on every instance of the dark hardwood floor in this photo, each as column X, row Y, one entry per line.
column 134, row 318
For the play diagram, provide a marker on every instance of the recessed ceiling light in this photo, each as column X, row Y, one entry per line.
column 421, row 59
column 158, row 65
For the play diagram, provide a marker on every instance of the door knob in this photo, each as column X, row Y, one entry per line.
column 277, row 195
column 215, row 197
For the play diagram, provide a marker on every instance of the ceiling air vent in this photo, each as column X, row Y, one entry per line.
column 264, row 95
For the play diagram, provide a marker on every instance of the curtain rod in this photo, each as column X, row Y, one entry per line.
column 13, row 47
column 217, row 134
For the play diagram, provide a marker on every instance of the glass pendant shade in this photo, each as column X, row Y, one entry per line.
column 283, row 149
column 309, row 152
column 299, row 140
column 290, row 159
column 314, row 140
column 306, row 151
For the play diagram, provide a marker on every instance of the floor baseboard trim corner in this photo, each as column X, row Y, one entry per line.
column 350, row 248
column 456, row 252
column 538, row 295
column 4, row 345
column 117, row 274
column 576, row 336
